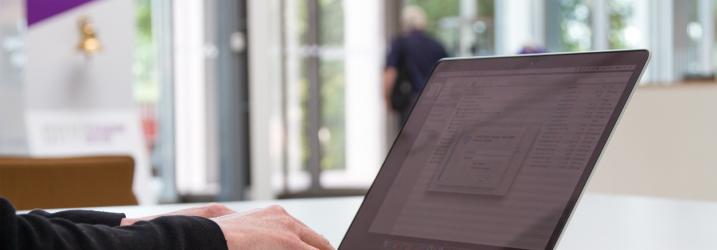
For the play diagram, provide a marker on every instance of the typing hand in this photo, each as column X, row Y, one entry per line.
column 208, row 211
column 269, row 228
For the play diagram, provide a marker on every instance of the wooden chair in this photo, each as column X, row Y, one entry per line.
column 67, row 182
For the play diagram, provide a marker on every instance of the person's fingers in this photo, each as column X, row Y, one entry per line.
column 276, row 209
column 291, row 221
column 302, row 230
column 216, row 210
column 127, row 221
column 283, row 211
column 306, row 246
column 255, row 211
column 314, row 239
column 295, row 219
column 290, row 241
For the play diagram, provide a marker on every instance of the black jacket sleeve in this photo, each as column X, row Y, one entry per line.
column 92, row 230
column 84, row 216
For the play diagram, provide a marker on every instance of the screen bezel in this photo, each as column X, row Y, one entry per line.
column 641, row 57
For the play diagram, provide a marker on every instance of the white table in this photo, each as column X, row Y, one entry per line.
column 600, row 221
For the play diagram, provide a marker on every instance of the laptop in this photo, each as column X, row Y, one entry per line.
column 496, row 152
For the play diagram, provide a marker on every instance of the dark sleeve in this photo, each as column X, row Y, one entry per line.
column 84, row 216
column 393, row 57
column 33, row 231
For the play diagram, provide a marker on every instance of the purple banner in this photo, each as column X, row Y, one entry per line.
column 39, row 10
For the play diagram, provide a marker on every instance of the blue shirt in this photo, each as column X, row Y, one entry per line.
column 419, row 52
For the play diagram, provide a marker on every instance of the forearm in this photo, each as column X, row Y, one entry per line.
column 389, row 79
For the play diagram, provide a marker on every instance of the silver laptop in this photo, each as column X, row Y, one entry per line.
column 496, row 152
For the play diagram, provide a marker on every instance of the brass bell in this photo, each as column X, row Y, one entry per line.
column 89, row 44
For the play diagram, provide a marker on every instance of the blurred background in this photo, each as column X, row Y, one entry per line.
column 265, row 99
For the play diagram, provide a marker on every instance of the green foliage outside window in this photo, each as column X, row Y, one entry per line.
column 439, row 11
column 146, row 90
column 331, row 74
column 575, row 19
column 620, row 12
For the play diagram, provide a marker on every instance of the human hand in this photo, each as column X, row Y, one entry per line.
column 269, row 228
column 207, row 211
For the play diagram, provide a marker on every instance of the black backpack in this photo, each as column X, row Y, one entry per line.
column 402, row 92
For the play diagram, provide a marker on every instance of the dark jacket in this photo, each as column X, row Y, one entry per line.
column 84, row 229
column 415, row 53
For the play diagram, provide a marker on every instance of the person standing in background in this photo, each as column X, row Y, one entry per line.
column 410, row 59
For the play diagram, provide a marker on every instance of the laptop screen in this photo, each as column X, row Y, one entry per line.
column 496, row 152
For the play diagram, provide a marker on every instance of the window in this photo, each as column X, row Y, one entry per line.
column 464, row 27
column 146, row 87
column 153, row 90
column 570, row 25
column 322, row 55
column 695, row 37
column 330, row 64
column 12, row 61
column 332, row 83
column 624, row 31
column 598, row 24
column 315, row 89
column 11, row 27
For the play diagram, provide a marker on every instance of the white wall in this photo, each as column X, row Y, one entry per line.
column 665, row 145
column 81, row 105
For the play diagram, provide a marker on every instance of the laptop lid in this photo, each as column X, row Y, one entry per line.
column 496, row 152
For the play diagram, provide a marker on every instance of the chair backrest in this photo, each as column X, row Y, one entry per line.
column 67, row 182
